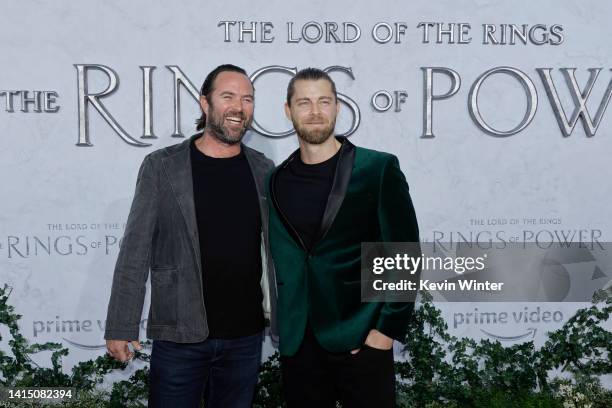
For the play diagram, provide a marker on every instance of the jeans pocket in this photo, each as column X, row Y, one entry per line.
column 164, row 296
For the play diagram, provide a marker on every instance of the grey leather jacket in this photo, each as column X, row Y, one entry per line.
column 161, row 237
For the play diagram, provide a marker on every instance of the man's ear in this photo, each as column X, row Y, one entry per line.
column 204, row 104
column 287, row 111
column 337, row 107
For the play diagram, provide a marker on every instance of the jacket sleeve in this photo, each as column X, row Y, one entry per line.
column 398, row 223
column 133, row 262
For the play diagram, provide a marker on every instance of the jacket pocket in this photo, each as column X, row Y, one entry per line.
column 164, row 296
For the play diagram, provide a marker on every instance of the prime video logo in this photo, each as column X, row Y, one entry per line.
column 70, row 327
column 532, row 316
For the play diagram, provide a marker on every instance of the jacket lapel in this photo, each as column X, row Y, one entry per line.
column 258, row 170
column 342, row 177
column 273, row 195
column 178, row 171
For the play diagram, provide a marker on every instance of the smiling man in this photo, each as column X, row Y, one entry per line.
column 328, row 197
column 198, row 224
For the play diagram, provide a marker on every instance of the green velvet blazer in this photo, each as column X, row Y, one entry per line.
column 368, row 202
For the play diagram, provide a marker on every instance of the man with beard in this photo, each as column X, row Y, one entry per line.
column 198, row 223
column 328, row 197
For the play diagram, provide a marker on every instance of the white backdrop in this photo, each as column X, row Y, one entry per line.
column 64, row 205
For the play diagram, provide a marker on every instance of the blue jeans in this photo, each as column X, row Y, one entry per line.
column 222, row 371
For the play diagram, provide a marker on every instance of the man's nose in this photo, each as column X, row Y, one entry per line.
column 236, row 105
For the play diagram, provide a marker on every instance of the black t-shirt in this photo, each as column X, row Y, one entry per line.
column 229, row 227
column 302, row 191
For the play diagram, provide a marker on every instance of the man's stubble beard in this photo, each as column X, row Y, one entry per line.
column 312, row 136
column 215, row 127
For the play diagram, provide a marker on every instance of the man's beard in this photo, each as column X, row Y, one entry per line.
column 214, row 124
column 315, row 136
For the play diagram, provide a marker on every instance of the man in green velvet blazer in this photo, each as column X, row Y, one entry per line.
column 327, row 198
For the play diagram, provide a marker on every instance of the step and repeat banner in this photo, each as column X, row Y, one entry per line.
column 495, row 109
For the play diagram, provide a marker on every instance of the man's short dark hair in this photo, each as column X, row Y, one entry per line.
column 207, row 87
column 309, row 74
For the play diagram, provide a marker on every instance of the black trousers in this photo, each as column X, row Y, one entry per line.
column 314, row 377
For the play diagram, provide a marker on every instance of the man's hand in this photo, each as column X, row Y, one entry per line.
column 118, row 349
column 377, row 340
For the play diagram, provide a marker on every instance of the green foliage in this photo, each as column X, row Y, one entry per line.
column 439, row 370
column 18, row 370
column 269, row 393
column 83, row 399
column 582, row 346
column 442, row 369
